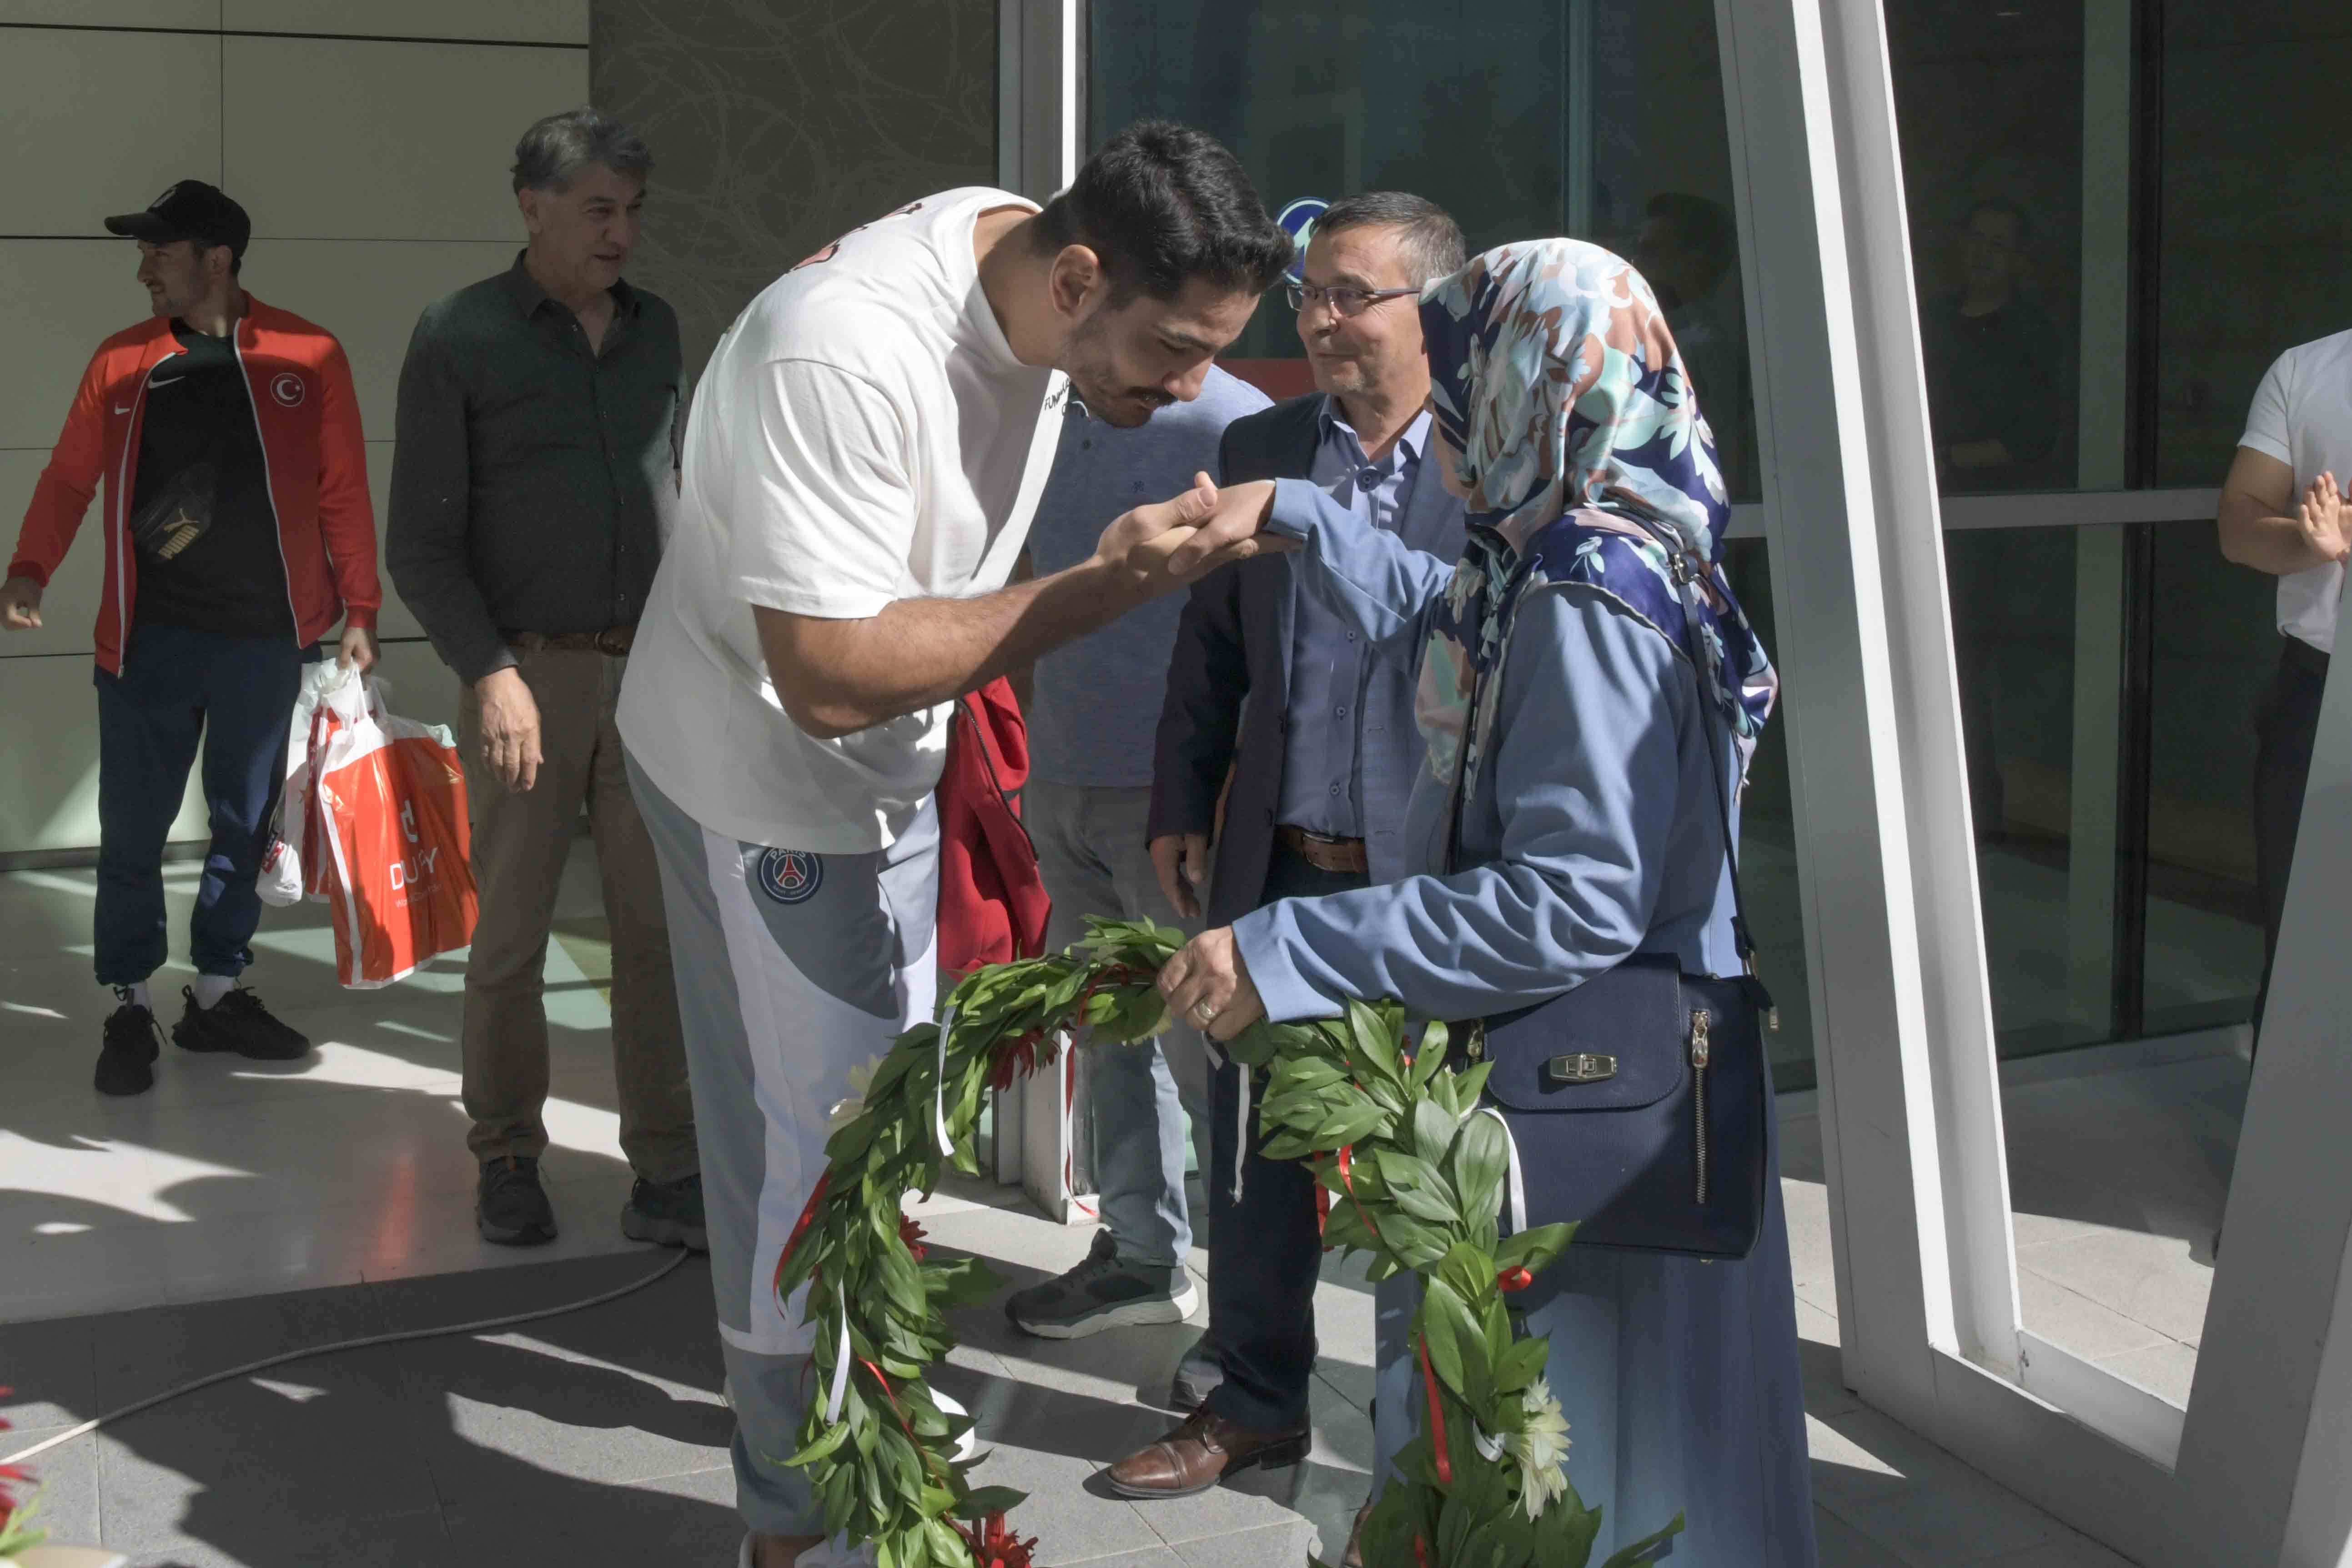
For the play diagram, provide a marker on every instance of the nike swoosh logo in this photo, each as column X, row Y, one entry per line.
column 159, row 381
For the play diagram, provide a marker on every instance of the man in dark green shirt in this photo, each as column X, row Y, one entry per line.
column 538, row 444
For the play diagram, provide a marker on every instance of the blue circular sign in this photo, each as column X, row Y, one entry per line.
column 1298, row 220
column 790, row 876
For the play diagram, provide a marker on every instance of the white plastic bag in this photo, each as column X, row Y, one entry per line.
column 314, row 718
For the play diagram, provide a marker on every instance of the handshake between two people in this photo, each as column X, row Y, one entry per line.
column 1161, row 546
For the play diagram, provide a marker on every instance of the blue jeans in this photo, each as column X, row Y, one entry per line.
column 1092, row 852
column 177, row 685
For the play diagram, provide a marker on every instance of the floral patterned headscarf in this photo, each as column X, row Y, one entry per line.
column 1553, row 372
column 1555, row 378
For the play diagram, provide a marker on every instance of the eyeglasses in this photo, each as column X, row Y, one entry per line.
column 1343, row 302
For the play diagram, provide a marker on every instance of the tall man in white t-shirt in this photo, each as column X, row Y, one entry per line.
column 2283, row 512
column 864, row 455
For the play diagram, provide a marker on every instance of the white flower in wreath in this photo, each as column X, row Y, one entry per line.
column 861, row 1079
column 1542, row 1449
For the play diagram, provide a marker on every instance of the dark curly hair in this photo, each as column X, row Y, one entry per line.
column 1160, row 204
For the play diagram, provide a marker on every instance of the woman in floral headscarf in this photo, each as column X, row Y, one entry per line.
column 1587, row 834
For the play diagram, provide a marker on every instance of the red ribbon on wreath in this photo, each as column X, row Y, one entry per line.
column 800, row 1227
column 1436, row 1418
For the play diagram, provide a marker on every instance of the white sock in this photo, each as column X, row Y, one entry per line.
column 211, row 988
column 136, row 995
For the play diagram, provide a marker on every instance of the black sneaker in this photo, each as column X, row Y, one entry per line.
column 667, row 1214
column 126, row 1062
column 511, row 1207
column 1105, row 1291
column 239, row 1023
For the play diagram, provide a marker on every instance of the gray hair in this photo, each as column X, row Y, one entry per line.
column 558, row 147
column 1432, row 241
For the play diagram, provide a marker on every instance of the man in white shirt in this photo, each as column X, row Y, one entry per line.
column 2283, row 512
column 865, row 453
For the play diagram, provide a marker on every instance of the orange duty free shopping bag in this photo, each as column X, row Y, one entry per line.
column 388, row 808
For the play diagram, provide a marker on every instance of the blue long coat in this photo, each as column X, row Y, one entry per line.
column 1590, row 836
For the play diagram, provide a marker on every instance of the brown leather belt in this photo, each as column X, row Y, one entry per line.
column 1322, row 851
column 611, row 640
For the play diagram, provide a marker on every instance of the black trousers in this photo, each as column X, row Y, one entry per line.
column 2284, row 727
column 1265, row 1249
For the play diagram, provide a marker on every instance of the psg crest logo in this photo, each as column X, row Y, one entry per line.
column 790, row 876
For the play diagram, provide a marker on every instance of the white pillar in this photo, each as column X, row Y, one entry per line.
column 2268, row 1440
column 1040, row 142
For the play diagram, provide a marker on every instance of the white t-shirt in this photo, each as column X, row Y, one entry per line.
column 863, row 434
column 2303, row 417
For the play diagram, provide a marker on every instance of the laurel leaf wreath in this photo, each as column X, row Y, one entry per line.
column 1390, row 1128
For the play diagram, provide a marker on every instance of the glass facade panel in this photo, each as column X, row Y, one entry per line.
column 2036, row 623
column 2256, row 254
column 2212, row 658
column 1523, row 118
column 1768, row 847
column 1990, row 100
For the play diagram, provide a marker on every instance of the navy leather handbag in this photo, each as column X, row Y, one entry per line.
column 1637, row 1103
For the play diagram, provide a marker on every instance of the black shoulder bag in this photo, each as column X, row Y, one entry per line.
column 1636, row 1103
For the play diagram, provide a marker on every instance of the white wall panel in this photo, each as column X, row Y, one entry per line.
column 85, row 292
column 519, row 21
column 369, row 293
column 113, row 13
column 330, row 139
column 69, row 607
column 160, row 121
column 48, row 792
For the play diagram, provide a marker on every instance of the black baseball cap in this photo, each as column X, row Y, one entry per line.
column 189, row 210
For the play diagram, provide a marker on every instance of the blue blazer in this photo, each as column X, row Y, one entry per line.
column 1229, row 682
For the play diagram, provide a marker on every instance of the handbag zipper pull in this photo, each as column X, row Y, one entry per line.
column 1701, row 1049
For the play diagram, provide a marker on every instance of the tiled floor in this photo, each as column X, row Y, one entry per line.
column 191, row 1229
column 231, row 1176
column 599, row 1438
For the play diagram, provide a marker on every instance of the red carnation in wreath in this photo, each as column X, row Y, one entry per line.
column 995, row 1545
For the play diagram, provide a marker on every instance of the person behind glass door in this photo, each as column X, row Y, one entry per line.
column 1268, row 684
column 537, row 418
column 1992, row 363
column 1992, row 400
column 2283, row 512
column 240, row 534
column 1588, row 833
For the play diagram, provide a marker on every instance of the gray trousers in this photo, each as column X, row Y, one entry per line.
column 1092, row 853
column 793, row 969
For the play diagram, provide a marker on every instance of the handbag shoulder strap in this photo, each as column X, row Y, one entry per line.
column 1685, row 576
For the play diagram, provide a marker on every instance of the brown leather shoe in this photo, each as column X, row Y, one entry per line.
column 1201, row 1452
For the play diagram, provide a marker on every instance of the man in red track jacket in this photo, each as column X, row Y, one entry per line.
column 237, row 533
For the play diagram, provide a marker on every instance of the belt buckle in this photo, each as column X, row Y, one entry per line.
column 614, row 642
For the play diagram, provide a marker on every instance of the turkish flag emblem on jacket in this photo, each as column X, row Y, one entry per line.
column 993, row 902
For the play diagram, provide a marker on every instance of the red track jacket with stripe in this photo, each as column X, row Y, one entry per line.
column 310, row 422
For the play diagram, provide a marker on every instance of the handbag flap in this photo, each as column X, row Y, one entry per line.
column 1622, row 1033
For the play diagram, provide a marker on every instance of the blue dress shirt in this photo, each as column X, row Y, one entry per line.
column 1322, row 755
